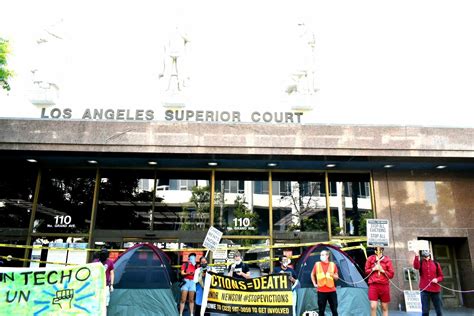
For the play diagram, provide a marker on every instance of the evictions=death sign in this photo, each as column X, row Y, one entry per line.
column 377, row 233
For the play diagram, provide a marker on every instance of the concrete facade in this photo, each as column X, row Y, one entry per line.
column 241, row 139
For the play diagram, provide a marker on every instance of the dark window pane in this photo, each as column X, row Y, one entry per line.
column 125, row 200
column 181, row 202
column 17, row 185
column 65, row 201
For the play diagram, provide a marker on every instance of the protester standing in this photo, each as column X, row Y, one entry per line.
column 188, row 289
column 285, row 268
column 199, row 278
column 109, row 272
column 239, row 269
column 430, row 275
column 380, row 269
column 324, row 275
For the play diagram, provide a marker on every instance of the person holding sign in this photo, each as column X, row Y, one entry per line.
column 324, row 275
column 430, row 275
column 239, row 269
column 199, row 278
column 285, row 268
column 189, row 287
column 380, row 269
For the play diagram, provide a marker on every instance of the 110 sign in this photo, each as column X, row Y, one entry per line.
column 63, row 221
column 242, row 224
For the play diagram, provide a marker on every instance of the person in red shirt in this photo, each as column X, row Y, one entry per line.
column 188, row 289
column 380, row 269
column 324, row 277
column 430, row 275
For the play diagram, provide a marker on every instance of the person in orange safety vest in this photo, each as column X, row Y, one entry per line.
column 324, row 277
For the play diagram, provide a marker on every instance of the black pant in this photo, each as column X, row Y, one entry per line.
column 198, row 311
column 323, row 298
column 437, row 303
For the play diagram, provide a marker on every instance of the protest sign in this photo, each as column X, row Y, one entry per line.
column 378, row 233
column 265, row 295
column 417, row 245
column 78, row 290
column 412, row 301
column 212, row 239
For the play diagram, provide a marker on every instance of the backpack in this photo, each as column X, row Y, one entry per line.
column 438, row 267
column 181, row 277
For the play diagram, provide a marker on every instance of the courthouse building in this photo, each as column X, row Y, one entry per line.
column 119, row 181
column 186, row 144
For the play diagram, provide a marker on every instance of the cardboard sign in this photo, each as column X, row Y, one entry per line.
column 212, row 239
column 220, row 252
column 417, row 245
column 378, row 234
column 412, row 301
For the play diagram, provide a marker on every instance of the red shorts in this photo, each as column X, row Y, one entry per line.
column 380, row 292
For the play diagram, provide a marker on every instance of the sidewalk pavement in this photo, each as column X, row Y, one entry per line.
column 462, row 311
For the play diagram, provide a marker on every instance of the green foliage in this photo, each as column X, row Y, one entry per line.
column 196, row 217
column 363, row 222
column 5, row 73
column 241, row 211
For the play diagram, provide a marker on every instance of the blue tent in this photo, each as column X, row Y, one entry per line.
column 143, row 279
column 352, row 295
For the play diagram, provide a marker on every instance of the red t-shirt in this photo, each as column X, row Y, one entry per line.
column 189, row 269
column 325, row 266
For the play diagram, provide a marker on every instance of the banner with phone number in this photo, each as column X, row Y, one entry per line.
column 78, row 290
column 265, row 295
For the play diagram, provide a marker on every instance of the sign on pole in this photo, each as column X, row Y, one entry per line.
column 378, row 233
column 412, row 301
column 212, row 239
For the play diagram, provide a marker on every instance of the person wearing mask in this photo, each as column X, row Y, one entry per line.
column 380, row 269
column 430, row 275
column 239, row 269
column 324, row 276
column 188, row 289
column 108, row 264
column 199, row 278
column 285, row 268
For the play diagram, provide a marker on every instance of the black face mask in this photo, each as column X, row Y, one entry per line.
column 204, row 266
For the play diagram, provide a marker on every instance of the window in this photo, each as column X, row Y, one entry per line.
column 65, row 201
column 229, row 186
column 182, row 185
column 350, row 203
column 300, row 205
column 17, row 186
column 241, row 204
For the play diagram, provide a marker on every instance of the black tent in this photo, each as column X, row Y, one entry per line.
column 352, row 295
column 143, row 279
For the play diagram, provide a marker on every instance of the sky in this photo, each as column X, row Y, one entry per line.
column 376, row 62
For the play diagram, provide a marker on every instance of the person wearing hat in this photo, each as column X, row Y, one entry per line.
column 380, row 269
column 239, row 269
column 324, row 276
column 430, row 276
column 109, row 271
